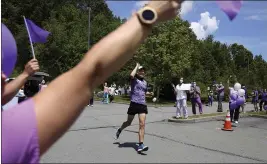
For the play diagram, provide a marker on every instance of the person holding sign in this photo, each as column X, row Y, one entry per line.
column 181, row 97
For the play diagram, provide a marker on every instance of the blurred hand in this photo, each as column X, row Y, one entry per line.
column 167, row 9
column 31, row 67
column 137, row 65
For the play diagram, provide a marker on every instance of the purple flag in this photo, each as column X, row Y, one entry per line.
column 231, row 8
column 36, row 34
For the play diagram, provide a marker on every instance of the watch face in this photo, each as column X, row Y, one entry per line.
column 148, row 15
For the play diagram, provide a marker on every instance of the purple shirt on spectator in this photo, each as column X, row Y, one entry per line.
column 220, row 90
column 138, row 91
column 264, row 96
column 19, row 134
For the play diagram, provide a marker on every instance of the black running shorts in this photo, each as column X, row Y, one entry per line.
column 135, row 108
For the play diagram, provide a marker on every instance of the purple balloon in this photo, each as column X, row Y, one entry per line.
column 233, row 105
column 233, row 96
column 231, row 8
column 9, row 51
column 240, row 101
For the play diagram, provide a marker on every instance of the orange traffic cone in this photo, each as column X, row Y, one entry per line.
column 227, row 123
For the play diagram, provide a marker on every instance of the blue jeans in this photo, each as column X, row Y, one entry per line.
column 210, row 101
column 105, row 100
column 91, row 102
column 220, row 99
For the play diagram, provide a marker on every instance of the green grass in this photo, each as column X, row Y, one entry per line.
column 261, row 113
column 208, row 115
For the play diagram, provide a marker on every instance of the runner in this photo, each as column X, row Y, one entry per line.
column 137, row 105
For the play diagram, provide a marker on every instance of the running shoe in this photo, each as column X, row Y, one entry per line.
column 142, row 147
column 117, row 135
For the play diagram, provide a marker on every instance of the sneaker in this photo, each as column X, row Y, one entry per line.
column 117, row 135
column 178, row 117
column 142, row 147
column 236, row 122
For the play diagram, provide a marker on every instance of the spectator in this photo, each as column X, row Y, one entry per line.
column 264, row 98
column 260, row 98
column 181, row 98
column 106, row 94
column 246, row 96
column 119, row 90
column 220, row 96
column 255, row 99
column 210, row 98
column 43, row 85
column 111, row 93
column 195, row 98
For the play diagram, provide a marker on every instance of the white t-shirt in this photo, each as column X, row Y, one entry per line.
column 111, row 90
column 180, row 94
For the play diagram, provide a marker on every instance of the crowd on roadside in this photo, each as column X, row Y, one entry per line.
column 216, row 92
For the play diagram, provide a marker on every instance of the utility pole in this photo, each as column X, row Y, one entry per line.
column 89, row 26
column 248, row 65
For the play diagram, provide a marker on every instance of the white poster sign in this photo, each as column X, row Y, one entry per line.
column 185, row 87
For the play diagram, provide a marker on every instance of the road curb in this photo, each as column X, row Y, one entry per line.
column 196, row 120
column 258, row 116
column 204, row 119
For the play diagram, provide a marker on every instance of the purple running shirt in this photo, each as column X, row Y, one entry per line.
column 19, row 134
column 138, row 91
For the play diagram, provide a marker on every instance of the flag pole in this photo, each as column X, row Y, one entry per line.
column 29, row 36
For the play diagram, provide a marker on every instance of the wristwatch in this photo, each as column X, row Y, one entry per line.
column 147, row 15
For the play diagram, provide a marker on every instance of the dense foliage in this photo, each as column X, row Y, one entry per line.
column 170, row 52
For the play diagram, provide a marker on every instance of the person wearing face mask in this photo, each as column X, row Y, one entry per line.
column 260, row 98
column 181, row 98
column 246, row 97
column 264, row 98
column 220, row 96
column 210, row 97
column 255, row 99
column 195, row 98
column 137, row 105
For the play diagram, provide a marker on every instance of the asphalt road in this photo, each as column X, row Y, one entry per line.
column 90, row 139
